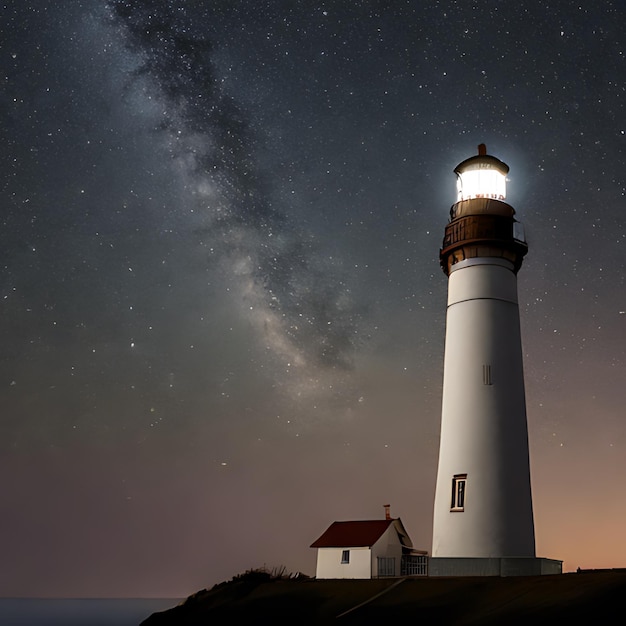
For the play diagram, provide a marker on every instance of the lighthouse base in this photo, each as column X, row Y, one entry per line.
column 497, row 566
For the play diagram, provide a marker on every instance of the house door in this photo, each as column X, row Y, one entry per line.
column 386, row 566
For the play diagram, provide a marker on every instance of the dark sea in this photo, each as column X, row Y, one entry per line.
column 80, row 612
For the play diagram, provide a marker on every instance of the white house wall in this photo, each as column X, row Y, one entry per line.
column 387, row 546
column 329, row 563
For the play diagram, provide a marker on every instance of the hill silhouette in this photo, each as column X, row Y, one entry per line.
column 258, row 597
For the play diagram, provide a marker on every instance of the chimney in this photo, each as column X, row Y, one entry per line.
column 387, row 511
column 482, row 149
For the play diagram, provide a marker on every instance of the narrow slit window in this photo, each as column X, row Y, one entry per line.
column 487, row 375
column 459, row 484
column 345, row 556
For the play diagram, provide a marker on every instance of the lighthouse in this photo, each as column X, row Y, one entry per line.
column 483, row 513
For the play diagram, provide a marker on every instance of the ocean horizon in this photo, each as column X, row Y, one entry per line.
column 80, row 611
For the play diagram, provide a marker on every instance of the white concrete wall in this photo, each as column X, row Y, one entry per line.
column 483, row 427
column 329, row 563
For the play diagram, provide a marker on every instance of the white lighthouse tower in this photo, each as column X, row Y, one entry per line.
column 483, row 514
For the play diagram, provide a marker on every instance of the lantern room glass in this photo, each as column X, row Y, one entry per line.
column 481, row 183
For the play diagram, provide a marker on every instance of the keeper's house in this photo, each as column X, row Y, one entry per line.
column 368, row 549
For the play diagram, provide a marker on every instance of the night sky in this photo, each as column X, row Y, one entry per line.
column 223, row 314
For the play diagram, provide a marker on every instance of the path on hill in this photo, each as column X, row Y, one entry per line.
column 374, row 597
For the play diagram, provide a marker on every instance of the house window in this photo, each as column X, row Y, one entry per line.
column 458, row 492
column 345, row 556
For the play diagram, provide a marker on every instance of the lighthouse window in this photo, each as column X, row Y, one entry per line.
column 458, row 492
column 345, row 556
column 487, row 375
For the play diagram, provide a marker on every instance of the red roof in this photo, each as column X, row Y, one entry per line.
column 353, row 534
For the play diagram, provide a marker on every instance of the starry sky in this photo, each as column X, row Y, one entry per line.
column 223, row 315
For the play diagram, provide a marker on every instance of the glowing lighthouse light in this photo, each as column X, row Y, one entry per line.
column 481, row 176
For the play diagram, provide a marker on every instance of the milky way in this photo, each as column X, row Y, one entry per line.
column 222, row 307
column 306, row 315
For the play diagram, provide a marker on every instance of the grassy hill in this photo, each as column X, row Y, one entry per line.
column 593, row 597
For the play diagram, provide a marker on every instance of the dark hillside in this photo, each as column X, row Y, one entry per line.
column 258, row 598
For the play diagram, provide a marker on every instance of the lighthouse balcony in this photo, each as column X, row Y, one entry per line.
column 481, row 249
column 483, row 236
column 476, row 227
